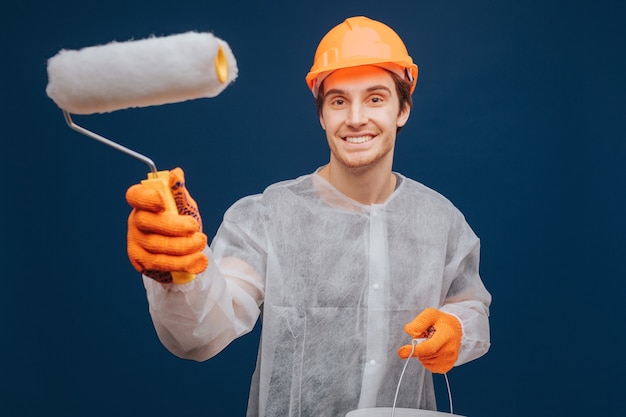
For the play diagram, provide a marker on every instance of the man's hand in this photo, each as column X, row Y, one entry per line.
column 161, row 241
column 441, row 349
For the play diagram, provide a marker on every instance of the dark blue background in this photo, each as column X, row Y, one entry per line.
column 519, row 119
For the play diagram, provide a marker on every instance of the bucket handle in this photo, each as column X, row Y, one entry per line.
column 415, row 342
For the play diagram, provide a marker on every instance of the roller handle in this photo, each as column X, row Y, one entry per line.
column 159, row 180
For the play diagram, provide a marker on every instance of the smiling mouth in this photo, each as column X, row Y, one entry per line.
column 358, row 139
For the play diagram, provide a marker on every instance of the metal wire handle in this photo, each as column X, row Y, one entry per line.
column 114, row 145
column 414, row 343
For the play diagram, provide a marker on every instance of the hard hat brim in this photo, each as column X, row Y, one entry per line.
column 315, row 78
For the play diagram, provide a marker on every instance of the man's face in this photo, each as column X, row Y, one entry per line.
column 360, row 115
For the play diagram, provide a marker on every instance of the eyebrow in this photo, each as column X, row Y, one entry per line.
column 369, row 90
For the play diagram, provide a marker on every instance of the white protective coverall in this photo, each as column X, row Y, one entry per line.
column 336, row 281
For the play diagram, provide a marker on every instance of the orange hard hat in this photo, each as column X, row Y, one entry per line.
column 360, row 41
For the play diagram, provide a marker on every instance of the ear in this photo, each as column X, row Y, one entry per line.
column 322, row 121
column 403, row 117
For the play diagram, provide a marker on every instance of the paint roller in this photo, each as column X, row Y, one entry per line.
column 140, row 73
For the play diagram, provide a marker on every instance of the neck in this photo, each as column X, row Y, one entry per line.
column 366, row 185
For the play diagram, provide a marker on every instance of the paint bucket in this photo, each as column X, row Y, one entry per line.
column 399, row 412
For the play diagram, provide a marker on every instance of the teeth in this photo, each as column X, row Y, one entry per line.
column 359, row 139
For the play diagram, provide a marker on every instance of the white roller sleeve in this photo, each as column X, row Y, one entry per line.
column 147, row 72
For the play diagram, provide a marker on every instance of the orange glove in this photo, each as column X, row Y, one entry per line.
column 159, row 241
column 441, row 350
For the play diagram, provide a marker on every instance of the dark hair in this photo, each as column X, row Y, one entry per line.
column 403, row 89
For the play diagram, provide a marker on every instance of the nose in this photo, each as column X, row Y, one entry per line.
column 356, row 115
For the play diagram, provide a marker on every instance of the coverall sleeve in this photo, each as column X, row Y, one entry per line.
column 467, row 298
column 198, row 319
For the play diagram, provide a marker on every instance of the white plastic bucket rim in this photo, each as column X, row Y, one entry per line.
column 399, row 412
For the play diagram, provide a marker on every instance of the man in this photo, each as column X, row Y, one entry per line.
column 337, row 260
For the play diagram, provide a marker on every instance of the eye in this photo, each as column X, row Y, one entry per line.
column 336, row 102
column 376, row 99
